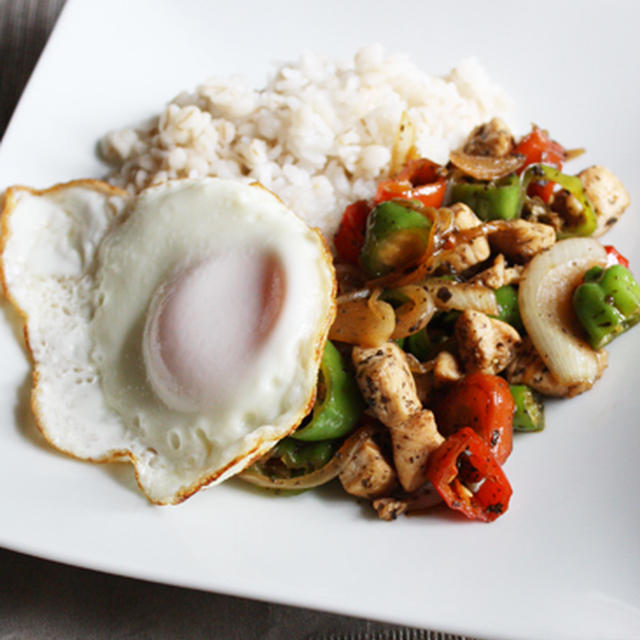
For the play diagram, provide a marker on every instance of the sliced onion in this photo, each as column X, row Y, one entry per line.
column 321, row 476
column 572, row 154
column 368, row 322
column 486, row 167
column 417, row 367
column 545, row 299
column 448, row 294
column 414, row 314
column 403, row 144
column 356, row 294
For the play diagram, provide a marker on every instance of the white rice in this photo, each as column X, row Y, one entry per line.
column 319, row 135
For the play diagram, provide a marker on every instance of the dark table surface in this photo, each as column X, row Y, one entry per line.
column 43, row 599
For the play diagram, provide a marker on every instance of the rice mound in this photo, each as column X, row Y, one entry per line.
column 319, row 135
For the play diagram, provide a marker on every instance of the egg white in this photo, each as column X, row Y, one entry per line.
column 86, row 308
column 48, row 265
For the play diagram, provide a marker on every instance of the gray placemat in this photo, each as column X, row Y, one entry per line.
column 42, row 599
column 24, row 28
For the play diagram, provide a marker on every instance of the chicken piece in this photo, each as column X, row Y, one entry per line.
column 434, row 374
column 466, row 254
column 607, row 195
column 485, row 344
column 520, row 240
column 386, row 382
column 493, row 276
column 445, row 369
column 498, row 274
column 492, row 138
column 424, row 385
column 413, row 440
column 390, row 391
column 513, row 274
column 390, row 508
column 528, row 368
column 368, row 474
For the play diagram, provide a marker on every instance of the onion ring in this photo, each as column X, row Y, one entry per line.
column 321, row 476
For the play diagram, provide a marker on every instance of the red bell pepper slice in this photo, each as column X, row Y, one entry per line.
column 420, row 171
column 537, row 147
column 349, row 237
column 615, row 257
column 491, row 499
column 484, row 403
column 543, row 189
column 430, row 195
column 419, row 180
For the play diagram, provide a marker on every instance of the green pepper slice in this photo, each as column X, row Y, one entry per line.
column 573, row 185
column 420, row 345
column 303, row 456
column 426, row 343
column 499, row 200
column 508, row 307
column 339, row 409
column 529, row 408
column 607, row 303
column 396, row 235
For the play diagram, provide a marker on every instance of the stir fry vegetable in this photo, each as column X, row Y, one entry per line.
column 339, row 408
column 538, row 148
column 467, row 293
column 499, row 200
column 509, row 309
column 528, row 413
column 420, row 180
column 607, row 303
column 396, row 236
column 350, row 235
column 583, row 221
column 492, row 497
column 303, row 457
column 484, row 403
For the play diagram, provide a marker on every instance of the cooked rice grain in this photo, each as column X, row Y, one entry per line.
column 319, row 135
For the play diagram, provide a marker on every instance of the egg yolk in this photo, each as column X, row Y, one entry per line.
column 207, row 323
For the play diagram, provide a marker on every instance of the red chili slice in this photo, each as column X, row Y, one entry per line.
column 491, row 499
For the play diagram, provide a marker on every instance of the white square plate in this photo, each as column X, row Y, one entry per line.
column 564, row 562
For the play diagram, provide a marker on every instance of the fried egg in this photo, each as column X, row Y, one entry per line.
column 181, row 329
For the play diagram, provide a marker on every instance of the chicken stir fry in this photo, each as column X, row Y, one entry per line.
column 391, row 396
column 467, row 292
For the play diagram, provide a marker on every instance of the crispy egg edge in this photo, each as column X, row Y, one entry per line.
column 9, row 203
